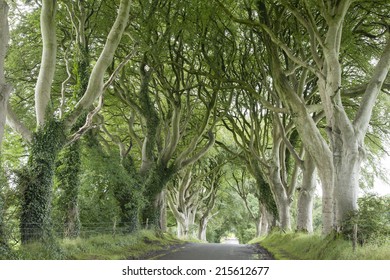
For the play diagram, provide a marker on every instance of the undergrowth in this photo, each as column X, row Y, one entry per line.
column 102, row 247
column 300, row 246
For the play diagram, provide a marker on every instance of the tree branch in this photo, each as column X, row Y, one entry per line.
column 14, row 122
column 201, row 153
column 95, row 84
column 88, row 122
column 374, row 86
column 48, row 60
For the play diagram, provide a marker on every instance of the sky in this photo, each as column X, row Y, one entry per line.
column 381, row 187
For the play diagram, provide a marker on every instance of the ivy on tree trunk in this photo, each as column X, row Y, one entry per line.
column 36, row 181
column 157, row 179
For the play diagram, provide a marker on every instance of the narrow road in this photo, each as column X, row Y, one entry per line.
column 195, row 251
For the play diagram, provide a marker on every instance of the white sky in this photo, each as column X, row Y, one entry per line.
column 381, row 187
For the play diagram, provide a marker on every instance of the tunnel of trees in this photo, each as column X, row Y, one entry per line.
column 200, row 118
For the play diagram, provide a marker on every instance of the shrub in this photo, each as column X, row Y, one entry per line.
column 372, row 219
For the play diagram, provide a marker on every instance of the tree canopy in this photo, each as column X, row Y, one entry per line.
column 121, row 115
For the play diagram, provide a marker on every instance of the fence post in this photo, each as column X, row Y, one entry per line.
column 354, row 237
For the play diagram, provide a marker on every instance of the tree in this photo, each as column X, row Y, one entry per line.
column 306, row 196
column 318, row 52
column 5, row 91
column 212, row 185
column 51, row 134
column 183, row 201
column 173, row 108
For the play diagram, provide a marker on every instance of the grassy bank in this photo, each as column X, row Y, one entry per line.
column 139, row 245
column 299, row 246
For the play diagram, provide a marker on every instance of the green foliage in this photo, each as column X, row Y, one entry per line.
column 192, row 50
column 43, row 250
column 68, row 185
column 300, row 246
column 230, row 220
column 128, row 193
column 110, row 193
column 372, row 219
column 156, row 180
column 3, row 239
column 139, row 245
column 35, row 181
column 69, row 163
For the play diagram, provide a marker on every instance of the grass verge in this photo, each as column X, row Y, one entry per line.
column 139, row 245
column 300, row 246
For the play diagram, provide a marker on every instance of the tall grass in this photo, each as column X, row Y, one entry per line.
column 101, row 247
column 299, row 246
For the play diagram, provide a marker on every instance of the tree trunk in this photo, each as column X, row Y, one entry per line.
column 283, row 205
column 163, row 211
column 347, row 182
column 72, row 221
column 202, row 232
column 48, row 60
column 5, row 89
column 306, row 195
column 266, row 221
column 282, row 200
column 312, row 138
column 155, row 183
column 317, row 147
column 36, row 182
column 265, row 195
column 258, row 226
column 68, row 175
column 348, row 141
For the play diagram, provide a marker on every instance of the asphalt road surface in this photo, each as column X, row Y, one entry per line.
column 195, row 251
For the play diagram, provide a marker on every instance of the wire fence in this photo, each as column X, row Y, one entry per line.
column 61, row 231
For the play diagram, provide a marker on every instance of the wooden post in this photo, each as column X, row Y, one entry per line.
column 354, row 238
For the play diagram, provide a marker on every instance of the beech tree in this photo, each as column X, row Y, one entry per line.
column 52, row 133
column 5, row 91
column 245, row 188
column 183, row 199
column 215, row 171
column 318, row 52
column 173, row 107
column 133, row 109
